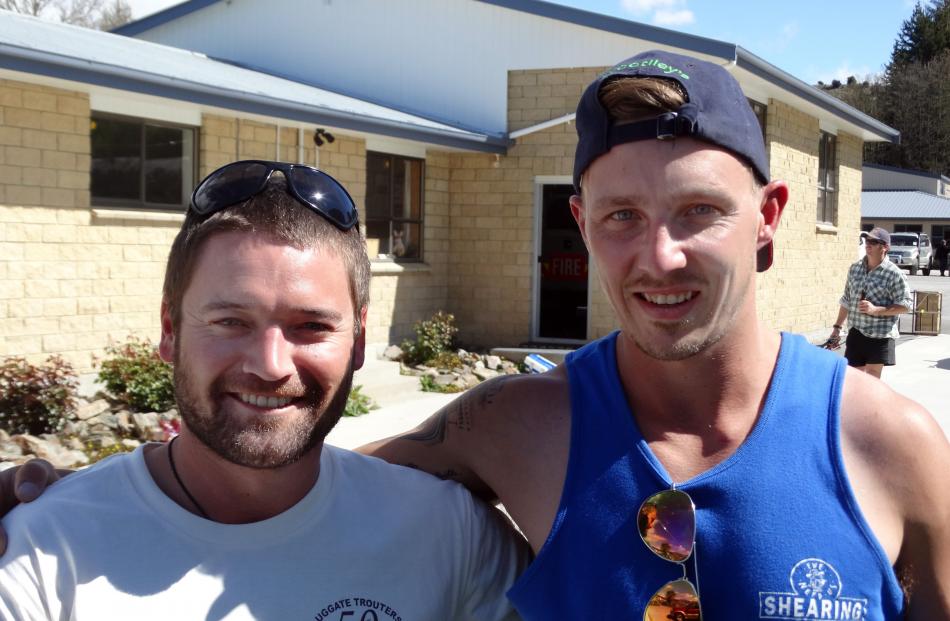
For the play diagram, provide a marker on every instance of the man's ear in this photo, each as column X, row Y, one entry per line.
column 774, row 198
column 577, row 210
column 359, row 346
column 166, row 345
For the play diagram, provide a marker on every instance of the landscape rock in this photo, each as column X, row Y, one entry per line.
column 393, row 352
column 492, row 362
column 90, row 410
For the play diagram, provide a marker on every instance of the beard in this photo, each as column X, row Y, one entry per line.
column 265, row 442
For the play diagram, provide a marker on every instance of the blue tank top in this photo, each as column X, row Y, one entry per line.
column 779, row 534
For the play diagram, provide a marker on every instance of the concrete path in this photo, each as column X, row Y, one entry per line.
column 922, row 373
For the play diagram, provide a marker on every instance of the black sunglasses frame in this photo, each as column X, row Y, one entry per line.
column 344, row 217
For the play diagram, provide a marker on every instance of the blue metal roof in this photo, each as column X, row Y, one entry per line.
column 904, row 205
column 35, row 46
column 663, row 36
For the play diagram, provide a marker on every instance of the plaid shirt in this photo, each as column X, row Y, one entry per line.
column 885, row 285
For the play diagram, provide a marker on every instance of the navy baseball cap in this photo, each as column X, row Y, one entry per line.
column 716, row 111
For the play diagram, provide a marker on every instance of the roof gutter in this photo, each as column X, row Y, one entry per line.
column 786, row 81
column 111, row 76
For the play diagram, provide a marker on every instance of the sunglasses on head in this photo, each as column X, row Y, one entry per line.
column 236, row 182
column 667, row 525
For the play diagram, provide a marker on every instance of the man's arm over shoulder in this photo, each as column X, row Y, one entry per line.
column 898, row 458
column 474, row 439
column 506, row 439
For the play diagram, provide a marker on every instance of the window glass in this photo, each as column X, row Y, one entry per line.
column 116, row 158
column 394, row 199
column 136, row 163
column 827, row 179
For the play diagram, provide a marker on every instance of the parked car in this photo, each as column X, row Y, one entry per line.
column 912, row 251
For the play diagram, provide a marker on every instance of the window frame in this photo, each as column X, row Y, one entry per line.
column 141, row 203
column 826, row 209
column 396, row 158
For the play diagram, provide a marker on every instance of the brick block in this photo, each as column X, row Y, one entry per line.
column 58, row 307
column 75, row 324
column 10, row 96
column 34, row 100
column 38, row 139
column 73, row 143
column 92, row 306
column 24, row 307
column 58, row 197
column 72, row 180
column 22, row 156
column 23, row 345
column 22, row 117
column 23, row 195
column 55, row 343
column 11, row 136
column 11, row 175
column 59, row 160
column 42, row 177
column 11, row 289
column 73, row 105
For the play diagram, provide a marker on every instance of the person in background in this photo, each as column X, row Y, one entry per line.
column 875, row 294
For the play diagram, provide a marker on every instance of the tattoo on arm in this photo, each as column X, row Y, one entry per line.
column 458, row 413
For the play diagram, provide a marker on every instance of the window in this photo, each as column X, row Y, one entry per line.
column 138, row 163
column 939, row 231
column 760, row 111
column 394, row 206
column 827, row 179
column 908, row 228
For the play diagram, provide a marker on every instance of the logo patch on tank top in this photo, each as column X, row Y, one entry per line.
column 816, row 594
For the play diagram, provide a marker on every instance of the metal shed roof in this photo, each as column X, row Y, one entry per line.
column 736, row 56
column 904, row 205
column 34, row 46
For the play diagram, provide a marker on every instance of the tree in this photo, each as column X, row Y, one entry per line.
column 99, row 14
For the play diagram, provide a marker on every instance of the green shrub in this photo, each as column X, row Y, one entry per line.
column 135, row 374
column 358, row 404
column 36, row 399
column 433, row 337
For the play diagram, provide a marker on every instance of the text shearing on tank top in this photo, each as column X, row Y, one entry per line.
column 816, row 594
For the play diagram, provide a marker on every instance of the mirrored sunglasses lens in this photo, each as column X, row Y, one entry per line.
column 675, row 600
column 229, row 185
column 325, row 195
column 667, row 524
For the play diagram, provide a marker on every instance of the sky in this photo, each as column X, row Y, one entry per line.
column 811, row 39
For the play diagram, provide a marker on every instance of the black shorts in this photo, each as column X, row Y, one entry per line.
column 861, row 350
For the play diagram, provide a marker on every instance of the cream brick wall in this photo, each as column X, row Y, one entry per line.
column 800, row 293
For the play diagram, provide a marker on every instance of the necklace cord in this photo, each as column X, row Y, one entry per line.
column 181, row 484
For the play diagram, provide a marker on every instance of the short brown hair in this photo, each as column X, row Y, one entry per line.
column 277, row 214
column 630, row 99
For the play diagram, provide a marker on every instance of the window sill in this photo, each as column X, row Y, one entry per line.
column 824, row 227
column 123, row 216
column 391, row 267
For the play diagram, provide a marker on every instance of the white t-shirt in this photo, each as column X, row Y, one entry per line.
column 369, row 542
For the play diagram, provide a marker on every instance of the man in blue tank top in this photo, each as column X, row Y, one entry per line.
column 814, row 491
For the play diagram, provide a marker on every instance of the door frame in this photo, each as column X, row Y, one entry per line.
column 539, row 182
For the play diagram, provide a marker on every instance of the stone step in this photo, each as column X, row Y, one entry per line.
column 380, row 379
